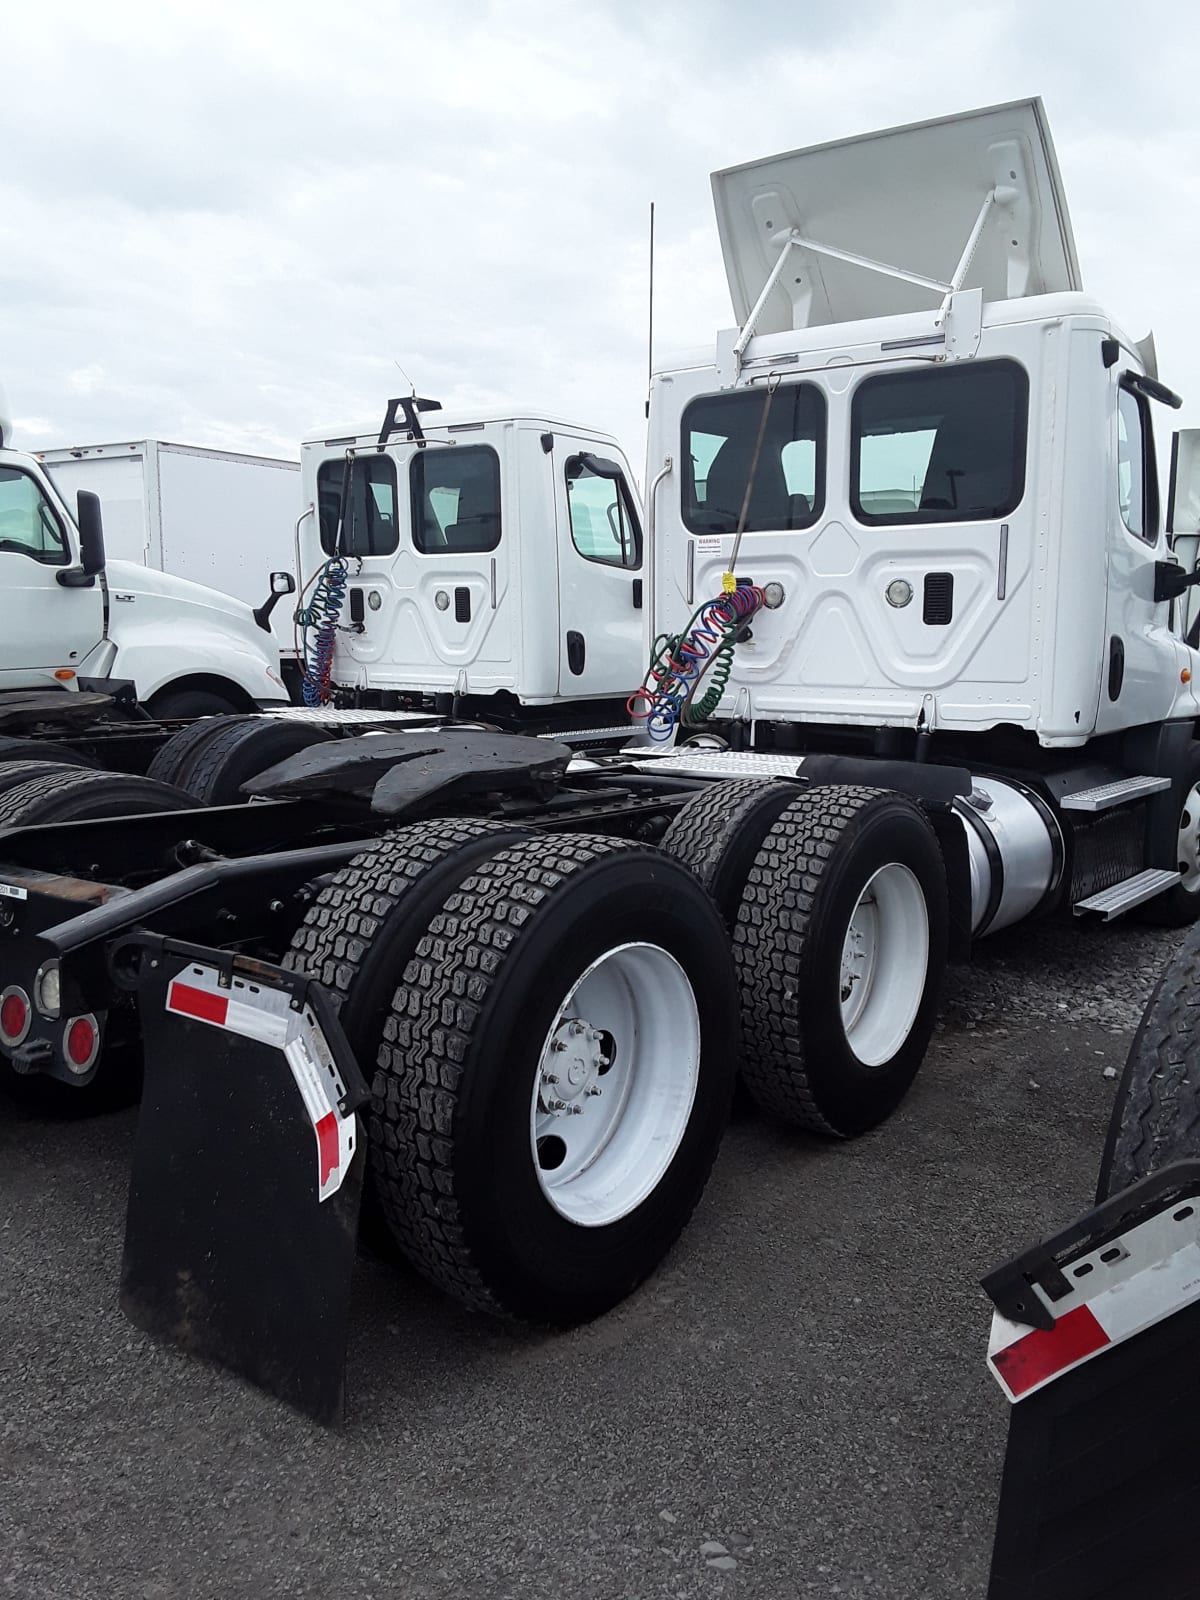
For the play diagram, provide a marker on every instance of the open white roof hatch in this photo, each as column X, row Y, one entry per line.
column 895, row 221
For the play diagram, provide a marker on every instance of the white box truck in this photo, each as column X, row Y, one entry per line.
column 215, row 517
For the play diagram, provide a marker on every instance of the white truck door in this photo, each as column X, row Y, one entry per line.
column 429, row 602
column 1140, row 675
column 600, row 575
column 45, row 625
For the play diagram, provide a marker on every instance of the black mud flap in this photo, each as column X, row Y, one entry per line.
column 1097, row 1342
column 247, row 1170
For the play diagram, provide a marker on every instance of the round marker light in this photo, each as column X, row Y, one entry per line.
column 442, row 600
column 81, row 1043
column 899, row 592
column 47, row 990
column 374, row 599
column 15, row 1016
column 773, row 596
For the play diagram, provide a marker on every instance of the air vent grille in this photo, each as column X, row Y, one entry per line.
column 938, row 608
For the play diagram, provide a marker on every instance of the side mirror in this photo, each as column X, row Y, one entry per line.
column 91, row 533
column 281, row 583
column 601, row 466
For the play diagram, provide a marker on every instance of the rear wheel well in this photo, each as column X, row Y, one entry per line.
column 205, row 683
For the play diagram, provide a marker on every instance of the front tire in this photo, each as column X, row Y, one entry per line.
column 1156, row 1114
column 499, row 1190
column 1173, row 841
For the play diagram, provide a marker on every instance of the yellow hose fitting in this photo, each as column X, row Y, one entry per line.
column 728, row 583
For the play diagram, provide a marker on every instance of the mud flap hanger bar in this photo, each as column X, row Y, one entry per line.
column 1010, row 1287
column 129, row 954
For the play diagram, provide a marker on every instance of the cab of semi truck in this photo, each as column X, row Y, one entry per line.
column 935, row 443
column 484, row 556
column 69, row 616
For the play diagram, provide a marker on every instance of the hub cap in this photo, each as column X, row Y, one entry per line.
column 615, row 1084
column 885, row 961
column 1188, row 854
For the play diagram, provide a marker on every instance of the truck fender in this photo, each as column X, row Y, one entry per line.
column 163, row 654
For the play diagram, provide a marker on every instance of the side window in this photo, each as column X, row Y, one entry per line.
column 1137, row 473
column 28, row 525
column 720, row 433
column 603, row 525
column 370, row 527
column 942, row 444
column 456, row 500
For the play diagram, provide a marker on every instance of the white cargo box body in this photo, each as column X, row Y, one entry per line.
column 212, row 516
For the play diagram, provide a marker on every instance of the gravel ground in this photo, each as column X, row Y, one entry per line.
column 795, row 1405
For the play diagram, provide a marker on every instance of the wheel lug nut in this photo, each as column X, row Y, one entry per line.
column 550, row 1077
column 576, row 1111
column 593, row 1089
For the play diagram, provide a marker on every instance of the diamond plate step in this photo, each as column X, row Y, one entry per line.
column 1122, row 897
column 722, row 764
column 1105, row 795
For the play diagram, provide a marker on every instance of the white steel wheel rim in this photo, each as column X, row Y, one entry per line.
column 1187, row 854
column 885, row 963
column 615, row 1084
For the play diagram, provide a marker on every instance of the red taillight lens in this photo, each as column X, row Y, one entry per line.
column 81, row 1042
column 15, row 1017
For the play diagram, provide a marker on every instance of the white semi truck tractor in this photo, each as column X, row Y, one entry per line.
column 917, row 662
column 79, row 628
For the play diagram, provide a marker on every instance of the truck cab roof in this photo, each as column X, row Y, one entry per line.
column 794, row 344
column 436, row 423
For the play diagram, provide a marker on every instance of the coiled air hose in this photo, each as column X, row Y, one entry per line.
column 667, row 696
column 320, row 618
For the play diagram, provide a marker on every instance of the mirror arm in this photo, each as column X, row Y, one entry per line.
column 1170, row 580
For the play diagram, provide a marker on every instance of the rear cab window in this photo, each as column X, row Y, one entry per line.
column 456, row 500
column 720, row 433
column 943, row 444
column 370, row 526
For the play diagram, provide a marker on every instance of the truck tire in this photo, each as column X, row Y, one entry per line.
column 69, row 795
column 840, row 947
column 557, row 962
column 719, row 833
column 172, row 757
column 219, row 766
column 168, row 704
column 42, row 750
column 1156, row 1114
column 15, row 773
column 359, row 934
column 1173, row 840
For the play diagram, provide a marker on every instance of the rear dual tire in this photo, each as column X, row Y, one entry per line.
column 837, row 899
column 464, row 1002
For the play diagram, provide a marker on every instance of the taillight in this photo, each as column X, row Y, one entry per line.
column 81, row 1043
column 15, row 1017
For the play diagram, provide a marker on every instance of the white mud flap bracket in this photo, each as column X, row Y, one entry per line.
column 1094, row 1340
column 247, row 1169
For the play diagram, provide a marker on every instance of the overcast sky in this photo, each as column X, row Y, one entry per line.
column 226, row 223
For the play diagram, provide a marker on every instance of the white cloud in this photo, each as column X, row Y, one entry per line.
column 227, row 223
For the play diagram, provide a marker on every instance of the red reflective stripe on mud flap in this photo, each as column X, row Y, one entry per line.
column 190, row 1002
column 1045, row 1351
column 328, row 1153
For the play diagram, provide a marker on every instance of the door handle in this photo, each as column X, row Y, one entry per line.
column 576, row 652
column 637, row 594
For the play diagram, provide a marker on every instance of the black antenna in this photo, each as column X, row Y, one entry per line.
column 650, row 331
